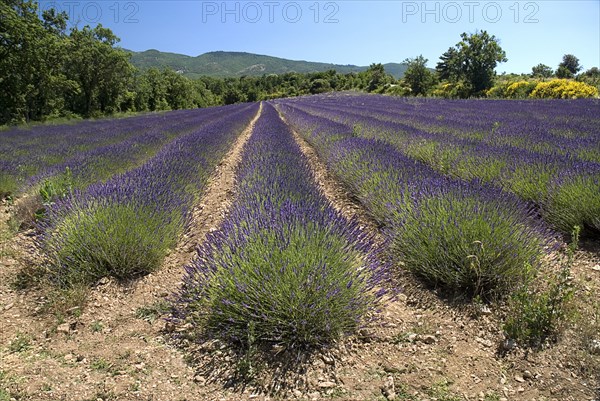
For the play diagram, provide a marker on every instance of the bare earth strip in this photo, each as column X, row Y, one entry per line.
column 114, row 349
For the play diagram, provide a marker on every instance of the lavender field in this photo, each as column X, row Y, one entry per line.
column 471, row 198
column 467, row 193
column 546, row 153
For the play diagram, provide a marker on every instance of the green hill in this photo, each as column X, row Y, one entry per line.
column 237, row 64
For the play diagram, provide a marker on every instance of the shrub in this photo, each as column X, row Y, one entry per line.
column 512, row 90
column 467, row 238
column 573, row 200
column 125, row 226
column 498, row 90
column 57, row 187
column 285, row 269
column 520, row 89
column 102, row 239
column 398, row 90
column 563, row 89
column 453, row 90
column 468, row 241
column 298, row 286
column 538, row 307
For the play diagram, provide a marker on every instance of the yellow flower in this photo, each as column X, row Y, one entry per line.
column 564, row 89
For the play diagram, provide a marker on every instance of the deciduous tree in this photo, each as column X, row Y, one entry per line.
column 417, row 76
column 541, row 71
column 570, row 63
column 473, row 62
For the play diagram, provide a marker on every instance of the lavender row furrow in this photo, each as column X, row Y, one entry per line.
column 568, row 128
column 125, row 226
column 564, row 186
column 90, row 150
column 464, row 236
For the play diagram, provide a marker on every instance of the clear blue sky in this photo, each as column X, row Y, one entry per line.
column 350, row 32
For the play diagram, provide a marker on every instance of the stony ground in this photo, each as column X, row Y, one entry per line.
column 114, row 344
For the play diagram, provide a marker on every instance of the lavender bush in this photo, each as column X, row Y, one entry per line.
column 91, row 150
column 517, row 146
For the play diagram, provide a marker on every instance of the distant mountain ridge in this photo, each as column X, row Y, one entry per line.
column 238, row 64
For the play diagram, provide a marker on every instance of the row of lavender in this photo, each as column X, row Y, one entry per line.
column 90, row 150
column 285, row 268
column 125, row 226
column 467, row 237
column 562, row 182
column 564, row 127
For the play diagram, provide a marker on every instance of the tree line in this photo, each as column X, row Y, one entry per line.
column 469, row 70
column 47, row 72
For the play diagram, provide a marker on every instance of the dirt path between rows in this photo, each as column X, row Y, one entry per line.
column 115, row 348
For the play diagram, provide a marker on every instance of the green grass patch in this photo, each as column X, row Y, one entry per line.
column 21, row 343
column 57, row 187
column 152, row 312
column 541, row 304
column 8, row 185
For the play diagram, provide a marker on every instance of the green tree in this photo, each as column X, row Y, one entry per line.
column 157, row 99
column 473, row 62
column 204, row 97
column 593, row 72
column 50, row 84
column 541, row 71
column 591, row 77
column 417, row 76
column 142, row 91
column 448, row 69
column 376, row 77
column 31, row 62
column 180, row 92
column 233, row 95
column 571, row 64
column 101, row 71
column 563, row 72
column 319, row 85
column 480, row 54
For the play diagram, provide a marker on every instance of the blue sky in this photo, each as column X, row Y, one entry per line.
column 350, row 32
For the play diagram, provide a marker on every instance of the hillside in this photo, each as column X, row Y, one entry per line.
column 237, row 64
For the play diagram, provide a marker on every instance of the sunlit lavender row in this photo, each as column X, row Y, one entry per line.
column 544, row 152
column 569, row 127
column 89, row 151
column 465, row 236
column 285, row 268
column 125, row 226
